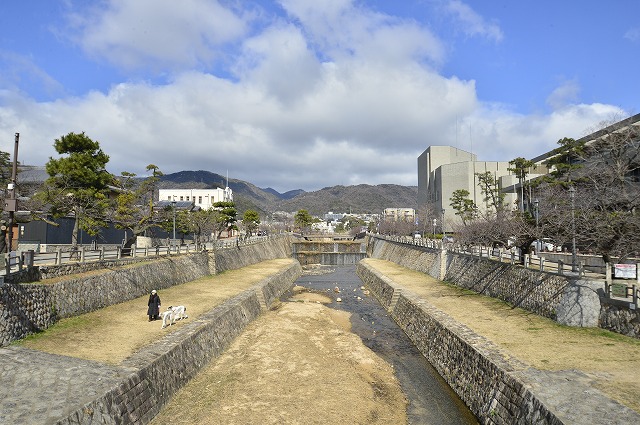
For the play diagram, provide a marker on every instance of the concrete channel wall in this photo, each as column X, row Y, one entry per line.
column 497, row 389
column 31, row 307
column 471, row 365
column 158, row 371
column 557, row 297
column 331, row 253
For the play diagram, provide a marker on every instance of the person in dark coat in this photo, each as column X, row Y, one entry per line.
column 154, row 306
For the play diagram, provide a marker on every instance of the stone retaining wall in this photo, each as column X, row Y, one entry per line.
column 422, row 259
column 470, row 364
column 565, row 299
column 246, row 255
column 529, row 289
column 497, row 389
column 538, row 292
column 616, row 316
column 30, row 307
column 158, row 371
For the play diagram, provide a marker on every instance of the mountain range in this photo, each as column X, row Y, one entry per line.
column 360, row 198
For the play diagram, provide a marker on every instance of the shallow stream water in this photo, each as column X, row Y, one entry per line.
column 431, row 400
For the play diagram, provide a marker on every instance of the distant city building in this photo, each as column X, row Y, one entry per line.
column 323, row 227
column 331, row 216
column 203, row 198
column 399, row 214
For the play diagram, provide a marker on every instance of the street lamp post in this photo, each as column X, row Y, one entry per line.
column 442, row 223
column 536, row 203
column 435, row 223
column 574, row 264
column 173, row 206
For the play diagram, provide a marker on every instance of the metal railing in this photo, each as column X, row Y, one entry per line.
column 16, row 261
column 613, row 288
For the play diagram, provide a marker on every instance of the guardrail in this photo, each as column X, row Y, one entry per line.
column 16, row 261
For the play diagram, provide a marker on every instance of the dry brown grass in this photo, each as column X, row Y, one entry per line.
column 612, row 360
column 114, row 333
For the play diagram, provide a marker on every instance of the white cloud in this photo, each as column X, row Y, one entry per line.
column 471, row 23
column 295, row 114
column 280, row 63
column 341, row 28
column 345, row 131
column 500, row 135
column 633, row 34
column 21, row 71
column 567, row 93
column 134, row 34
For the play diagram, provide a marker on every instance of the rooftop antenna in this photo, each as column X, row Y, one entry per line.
column 456, row 131
column 474, row 165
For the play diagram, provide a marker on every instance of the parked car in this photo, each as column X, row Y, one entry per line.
column 546, row 245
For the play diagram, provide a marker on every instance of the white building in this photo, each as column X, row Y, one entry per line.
column 203, row 198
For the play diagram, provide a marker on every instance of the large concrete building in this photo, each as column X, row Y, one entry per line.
column 444, row 169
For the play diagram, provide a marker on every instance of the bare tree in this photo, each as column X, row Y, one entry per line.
column 595, row 197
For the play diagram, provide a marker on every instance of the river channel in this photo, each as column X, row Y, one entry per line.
column 431, row 400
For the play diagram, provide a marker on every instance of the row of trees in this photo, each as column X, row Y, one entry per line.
column 589, row 200
column 80, row 186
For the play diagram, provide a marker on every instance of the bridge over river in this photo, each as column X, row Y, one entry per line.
column 111, row 366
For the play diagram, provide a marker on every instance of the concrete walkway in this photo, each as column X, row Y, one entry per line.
column 42, row 388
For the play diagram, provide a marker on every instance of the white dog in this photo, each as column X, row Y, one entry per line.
column 172, row 314
column 179, row 312
column 167, row 318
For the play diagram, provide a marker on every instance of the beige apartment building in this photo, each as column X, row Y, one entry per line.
column 444, row 169
column 399, row 214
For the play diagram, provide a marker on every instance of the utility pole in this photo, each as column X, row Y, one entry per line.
column 11, row 204
column 574, row 262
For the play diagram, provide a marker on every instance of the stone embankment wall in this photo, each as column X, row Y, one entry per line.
column 159, row 371
column 532, row 290
column 616, row 316
column 418, row 258
column 30, row 307
column 497, row 389
column 470, row 364
column 565, row 299
column 246, row 255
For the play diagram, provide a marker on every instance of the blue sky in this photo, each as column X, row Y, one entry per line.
column 307, row 94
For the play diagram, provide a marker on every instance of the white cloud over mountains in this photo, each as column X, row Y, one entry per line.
column 327, row 93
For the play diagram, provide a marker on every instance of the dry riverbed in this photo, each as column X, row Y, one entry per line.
column 298, row 363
